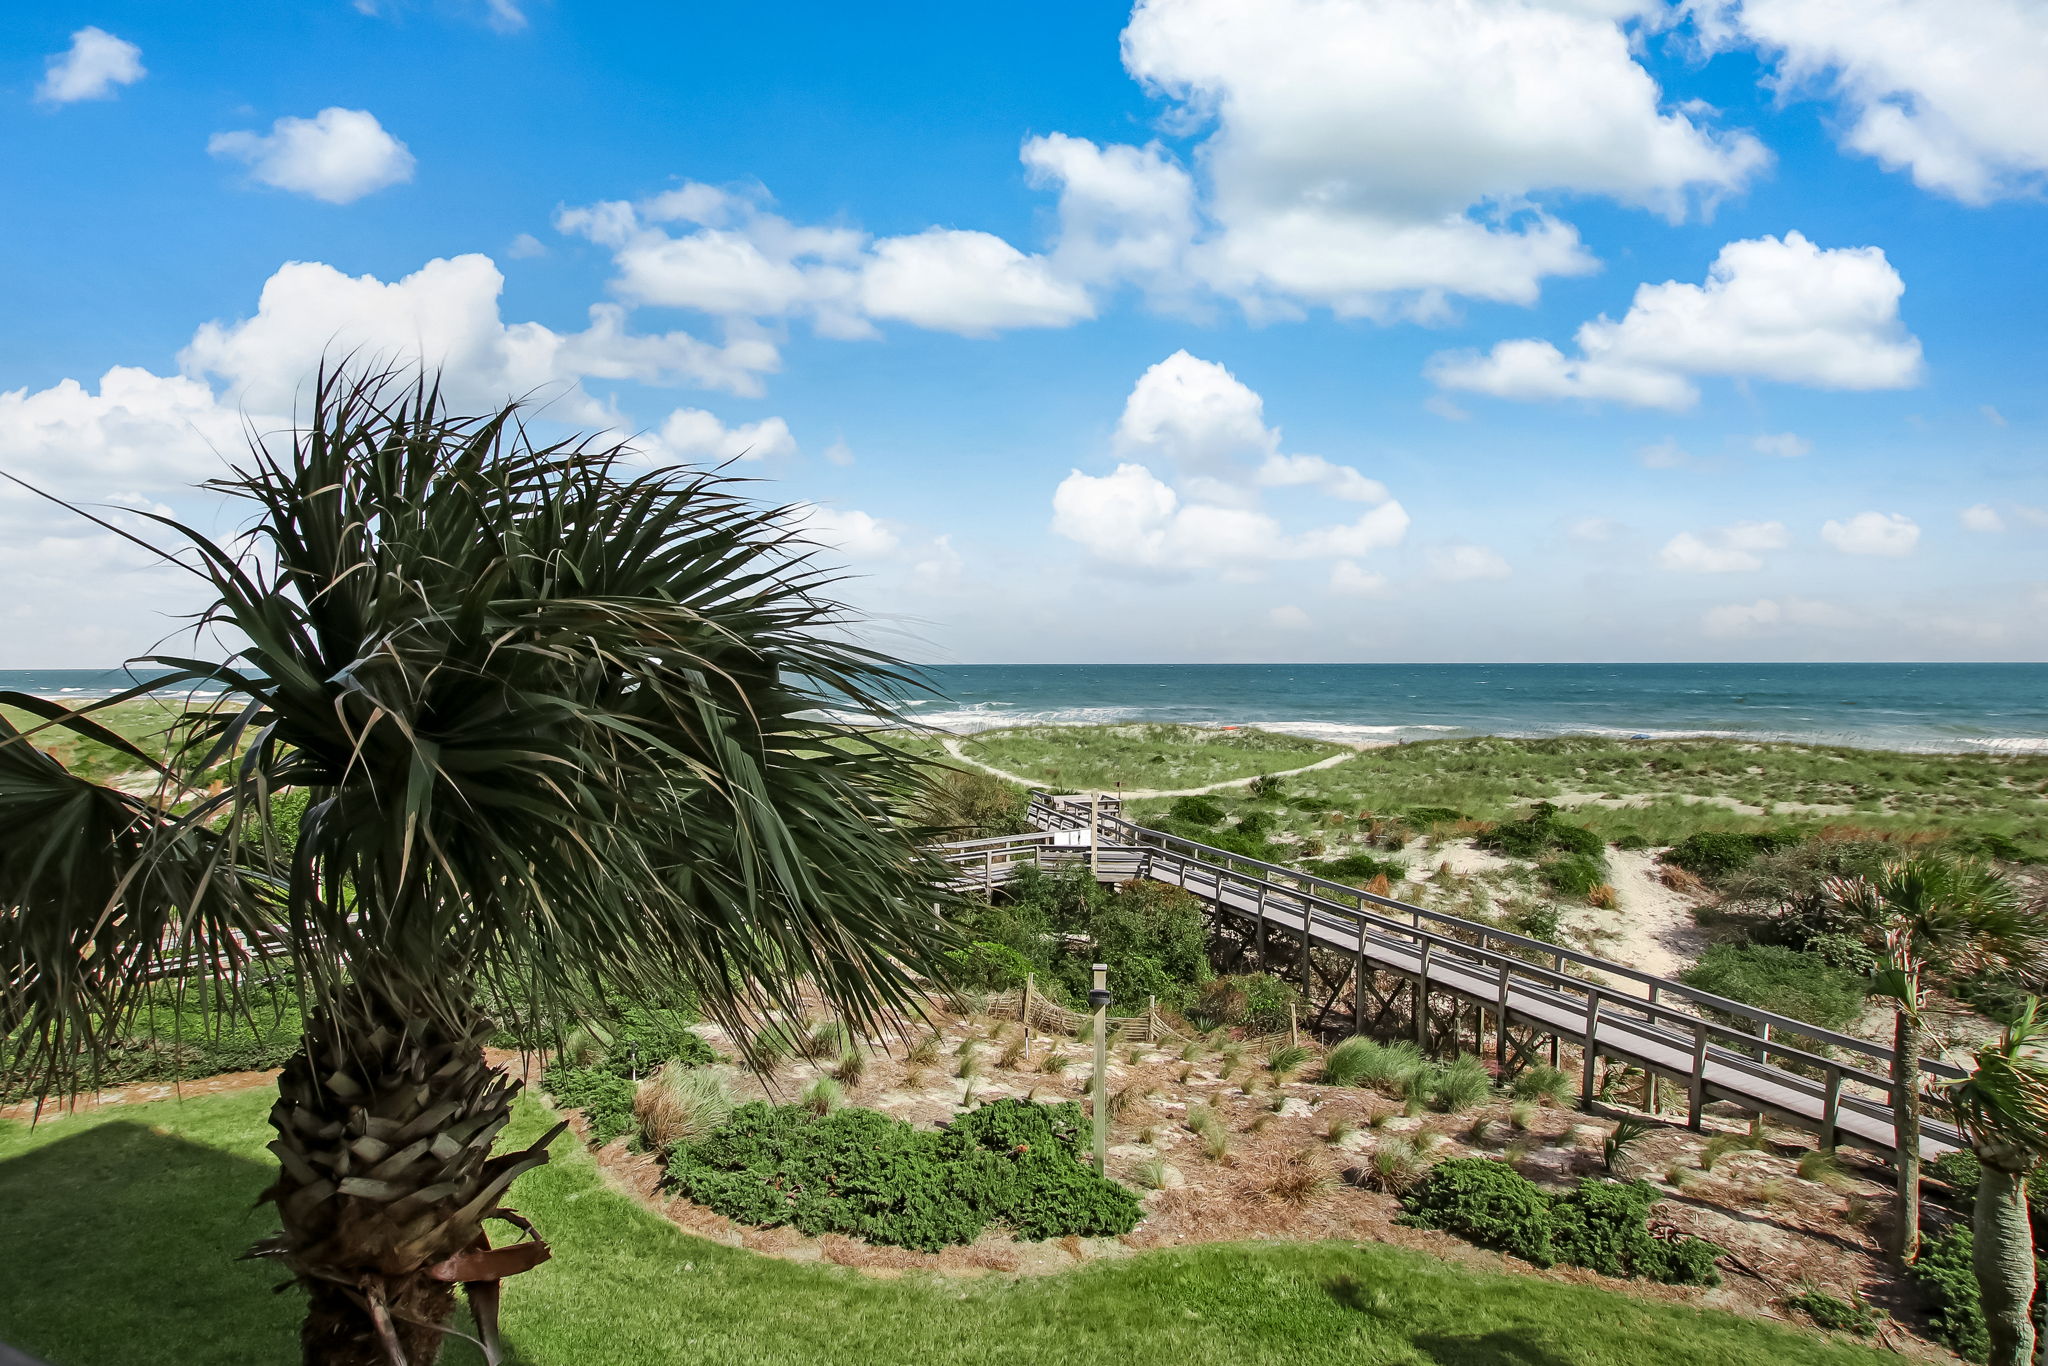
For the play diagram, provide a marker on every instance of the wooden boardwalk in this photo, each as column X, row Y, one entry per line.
column 1407, row 967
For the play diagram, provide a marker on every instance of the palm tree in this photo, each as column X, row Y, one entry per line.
column 554, row 720
column 2003, row 1108
column 1936, row 916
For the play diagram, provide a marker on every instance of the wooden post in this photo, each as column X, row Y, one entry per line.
column 1591, row 1051
column 1831, row 1109
column 1259, row 934
column 1696, row 1088
column 1500, row 1025
column 1293, row 1026
column 1358, row 983
column 1024, row 1012
column 1095, row 835
column 1152, row 1019
column 1422, row 1000
column 1307, row 980
column 1099, row 1090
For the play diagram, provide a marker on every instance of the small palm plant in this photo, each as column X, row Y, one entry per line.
column 1936, row 916
column 554, row 719
column 2002, row 1107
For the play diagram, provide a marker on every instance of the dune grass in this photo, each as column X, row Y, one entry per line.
column 124, row 1224
column 1663, row 790
column 145, row 721
column 1142, row 755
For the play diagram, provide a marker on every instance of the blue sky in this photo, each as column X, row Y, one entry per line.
column 1209, row 330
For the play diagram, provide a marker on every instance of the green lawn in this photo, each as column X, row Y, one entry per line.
column 122, row 1228
column 1141, row 755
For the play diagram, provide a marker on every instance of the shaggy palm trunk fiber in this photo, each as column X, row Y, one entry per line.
column 1906, row 1133
column 2002, row 1255
column 385, row 1120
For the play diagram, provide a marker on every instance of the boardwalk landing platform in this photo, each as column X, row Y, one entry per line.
column 1419, row 970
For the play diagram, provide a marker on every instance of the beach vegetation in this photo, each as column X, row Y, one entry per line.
column 1783, row 981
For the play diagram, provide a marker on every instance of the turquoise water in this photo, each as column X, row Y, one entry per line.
column 1891, row 706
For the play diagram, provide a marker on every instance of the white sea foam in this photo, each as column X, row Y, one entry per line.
column 2014, row 744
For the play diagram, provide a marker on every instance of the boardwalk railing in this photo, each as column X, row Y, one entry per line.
column 1714, row 1047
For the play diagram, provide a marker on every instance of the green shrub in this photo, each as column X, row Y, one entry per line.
column 1604, row 1226
column 640, row 1041
column 1573, row 874
column 1834, row 1314
column 989, row 966
column 1781, row 980
column 184, row 1032
column 1360, row 869
column 1539, row 833
column 1434, row 815
column 1538, row 922
column 1485, row 1201
column 1629, row 839
column 1948, row 1290
column 1601, row 1225
column 1265, row 786
column 1714, row 854
column 604, row 1097
column 1196, row 810
column 867, row 1175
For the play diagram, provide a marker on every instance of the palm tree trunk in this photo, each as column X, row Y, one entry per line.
column 1906, row 1133
column 385, row 1119
column 2002, row 1255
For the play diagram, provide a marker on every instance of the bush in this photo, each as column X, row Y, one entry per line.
column 182, row 1033
column 858, row 1172
column 1835, row 1314
column 1601, row 1225
column 1196, row 810
column 1537, row 922
column 639, row 1042
column 1714, row 854
column 1264, row 787
column 1573, row 874
column 1948, row 1290
column 1434, row 815
column 989, row 966
column 1539, row 833
column 1360, row 869
column 1604, row 1226
column 604, row 1097
column 1781, row 980
column 1629, row 839
column 1485, row 1201
column 1258, row 1001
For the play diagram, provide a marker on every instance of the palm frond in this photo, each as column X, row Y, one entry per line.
column 560, row 720
column 2003, row 1103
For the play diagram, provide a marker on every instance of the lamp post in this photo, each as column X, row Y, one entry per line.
column 1098, row 1001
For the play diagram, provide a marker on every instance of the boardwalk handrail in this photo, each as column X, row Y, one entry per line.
column 1141, row 837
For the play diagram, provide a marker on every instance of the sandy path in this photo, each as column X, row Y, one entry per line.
column 953, row 748
column 1654, row 924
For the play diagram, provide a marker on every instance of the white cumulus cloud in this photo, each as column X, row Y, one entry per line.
column 338, row 155
column 1359, row 160
column 1771, row 308
column 735, row 259
column 1873, row 533
column 92, row 68
column 1773, row 617
column 1207, row 429
column 1982, row 517
column 1725, row 550
column 691, row 434
column 855, row 534
column 1951, row 93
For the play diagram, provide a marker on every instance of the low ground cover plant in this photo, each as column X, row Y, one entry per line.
column 1782, row 980
column 1600, row 1225
column 1540, row 833
column 1012, row 1163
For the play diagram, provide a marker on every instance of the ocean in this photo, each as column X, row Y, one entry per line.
column 1956, row 707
